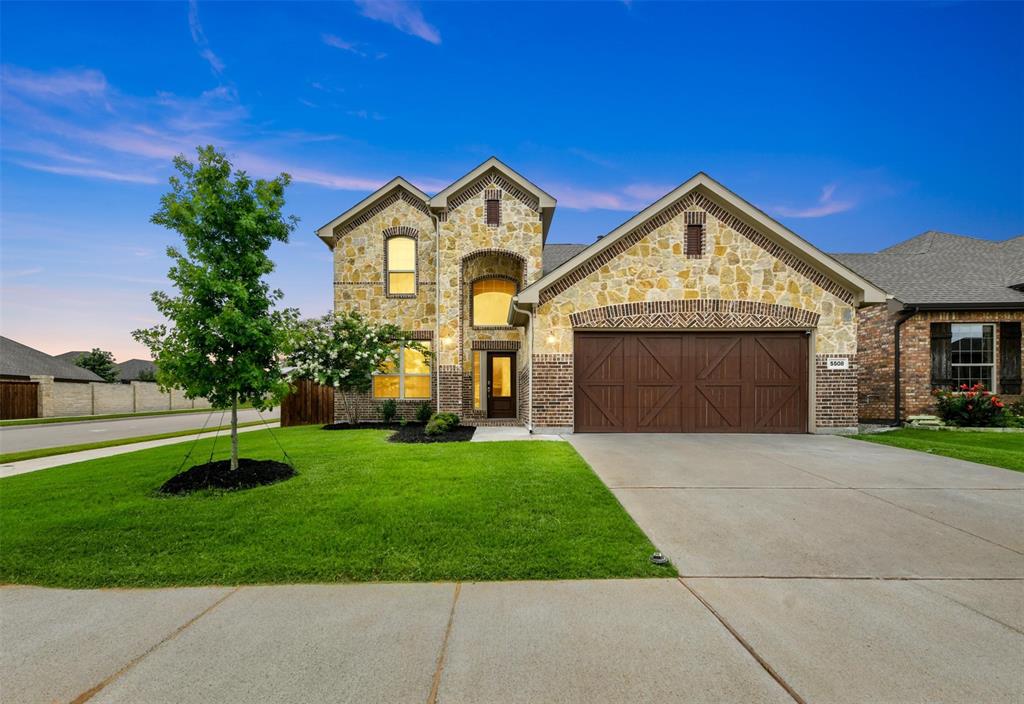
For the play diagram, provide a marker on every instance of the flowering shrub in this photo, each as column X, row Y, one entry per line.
column 343, row 350
column 973, row 406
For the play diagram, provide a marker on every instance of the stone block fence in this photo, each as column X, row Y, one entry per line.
column 57, row 398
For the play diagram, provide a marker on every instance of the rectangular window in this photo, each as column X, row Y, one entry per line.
column 401, row 269
column 694, row 243
column 972, row 354
column 493, row 211
column 408, row 378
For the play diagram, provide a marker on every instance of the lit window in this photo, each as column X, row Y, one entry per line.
column 972, row 354
column 491, row 298
column 407, row 378
column 476, row 379
column 401, row 265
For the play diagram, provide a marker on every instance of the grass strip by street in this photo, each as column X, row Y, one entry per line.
column 360, row 509
column 997, row 449
column 108, row 416
column 8, row 457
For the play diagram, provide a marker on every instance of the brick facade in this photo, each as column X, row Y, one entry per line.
column 552, row 391
column 876, row 358
column 835, row 393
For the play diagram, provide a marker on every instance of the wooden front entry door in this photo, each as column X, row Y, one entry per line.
column 501, row 385
column 743, row 382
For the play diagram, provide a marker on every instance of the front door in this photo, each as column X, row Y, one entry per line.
column 501, row 388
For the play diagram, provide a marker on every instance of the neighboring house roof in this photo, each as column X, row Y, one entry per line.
column 326, row 232
column 440, row 201
column 17, row 359
column 555, row 255
column 777, row 232
column 70, row 357
column 130, row 369
column 939, row 269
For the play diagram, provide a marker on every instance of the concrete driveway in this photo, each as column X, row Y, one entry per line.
column 856, row 572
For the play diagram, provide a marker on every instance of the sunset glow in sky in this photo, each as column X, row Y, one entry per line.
column 856, row 125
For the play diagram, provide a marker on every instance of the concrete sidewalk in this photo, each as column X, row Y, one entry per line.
column 13, row 468
column 583, row 641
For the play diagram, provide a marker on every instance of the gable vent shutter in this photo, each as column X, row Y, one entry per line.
column 493, row 211
column 694, row 241
column 942, row 358
column 1009, row 358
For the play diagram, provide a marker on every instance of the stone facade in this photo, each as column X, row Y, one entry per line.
column 876, row 358
column 737, row 283
column 739, row 278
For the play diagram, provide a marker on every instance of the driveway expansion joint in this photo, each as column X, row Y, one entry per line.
column 103, row 684
column 435, row 685
column 746, row 646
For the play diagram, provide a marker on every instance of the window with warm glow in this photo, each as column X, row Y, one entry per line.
column 401, row 265
column 408, row 378
column 491, row 299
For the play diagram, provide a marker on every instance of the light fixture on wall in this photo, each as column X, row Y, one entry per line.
column 552, row 339
column 447, row 341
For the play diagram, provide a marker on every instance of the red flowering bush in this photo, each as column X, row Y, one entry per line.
column 973, row 406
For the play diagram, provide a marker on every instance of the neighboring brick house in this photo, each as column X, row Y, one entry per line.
column 954, row 318
column 700, row 313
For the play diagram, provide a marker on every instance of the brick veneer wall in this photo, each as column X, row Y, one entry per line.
column 835, row 393
column 875, row 358
column 368, row 408
column 552, row 390
column 450, row 381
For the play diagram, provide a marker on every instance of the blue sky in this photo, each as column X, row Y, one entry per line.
column 856, row 125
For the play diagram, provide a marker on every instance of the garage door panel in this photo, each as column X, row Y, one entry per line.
column 691, row 382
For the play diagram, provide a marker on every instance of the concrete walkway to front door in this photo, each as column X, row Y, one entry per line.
column 856, row 572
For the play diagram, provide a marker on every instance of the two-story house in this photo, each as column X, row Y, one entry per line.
column 700, row 313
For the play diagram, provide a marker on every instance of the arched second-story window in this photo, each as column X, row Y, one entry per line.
column 491, row 299
column 401, row 266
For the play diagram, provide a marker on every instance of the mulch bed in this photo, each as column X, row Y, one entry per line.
column 414, row 434
column 218, row 475
column 411, row 432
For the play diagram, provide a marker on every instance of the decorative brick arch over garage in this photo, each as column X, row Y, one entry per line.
column 705, row 314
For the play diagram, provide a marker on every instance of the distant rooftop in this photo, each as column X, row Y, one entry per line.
column 17, row 359
column 943, row 268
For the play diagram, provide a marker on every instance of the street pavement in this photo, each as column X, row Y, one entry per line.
column 17, row 438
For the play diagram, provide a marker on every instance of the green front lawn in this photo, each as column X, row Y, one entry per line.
column 997, row 449
column 361, row 509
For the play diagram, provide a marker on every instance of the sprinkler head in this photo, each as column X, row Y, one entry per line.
column 659, row 559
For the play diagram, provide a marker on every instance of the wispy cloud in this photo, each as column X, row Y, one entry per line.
column 339, row 43
column 366, row 115
column 404, row 16
column 59, row 84
column 103, row 174
column 827, row 205
column 199, row 37
column 647, row 192
column 592, row 157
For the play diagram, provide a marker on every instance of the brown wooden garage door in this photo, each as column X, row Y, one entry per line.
column 746, row 382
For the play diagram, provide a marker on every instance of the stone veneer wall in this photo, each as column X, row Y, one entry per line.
column 741, row 273
column 876, row 358
column 359, row 261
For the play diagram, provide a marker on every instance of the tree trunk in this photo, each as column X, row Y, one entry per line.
column 349, row 407
column 234, row 433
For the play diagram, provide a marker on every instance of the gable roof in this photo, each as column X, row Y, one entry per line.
column 555, row 255
column 863, row 289
column 71, row 357
column 17, row 359
column 545, row 201
column 937, row 269
column 130, row 369
column 326, row 231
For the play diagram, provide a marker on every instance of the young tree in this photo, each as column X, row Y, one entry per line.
column 101, row 363
column 343, row 350
column 225, row 333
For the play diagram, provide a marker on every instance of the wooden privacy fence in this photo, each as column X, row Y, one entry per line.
column 309, row 403
column 19, row 399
